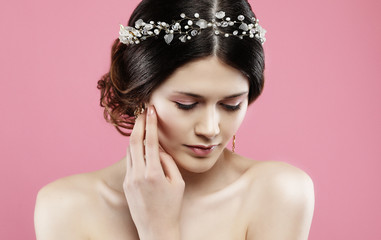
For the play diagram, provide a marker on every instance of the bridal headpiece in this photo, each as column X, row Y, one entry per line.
column 188, row 27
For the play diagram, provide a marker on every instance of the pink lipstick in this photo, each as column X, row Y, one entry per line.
column 201, row 150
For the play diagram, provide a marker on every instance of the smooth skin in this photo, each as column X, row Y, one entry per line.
column 153, row 188
column 162, row 190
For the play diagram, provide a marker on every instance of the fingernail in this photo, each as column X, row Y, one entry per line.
column 150, row 110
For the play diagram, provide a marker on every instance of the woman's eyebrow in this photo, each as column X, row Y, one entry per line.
column 201, row 97
column 236, row 95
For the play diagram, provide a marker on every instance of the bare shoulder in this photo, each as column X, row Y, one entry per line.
column 61, row 205
column 280, row 177
column 85, row 206
column 281, row 199
column 276, row 173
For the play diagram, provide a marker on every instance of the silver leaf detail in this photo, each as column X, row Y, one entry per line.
column 244, row 27
column 148, row 27
column 183, row 38
column 139, row 23
column 202, row 23
column 168, row 38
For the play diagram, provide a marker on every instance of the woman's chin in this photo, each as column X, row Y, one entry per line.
column 198, row 169
column 195, row 165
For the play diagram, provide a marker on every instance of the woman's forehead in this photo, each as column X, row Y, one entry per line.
column 206, row 74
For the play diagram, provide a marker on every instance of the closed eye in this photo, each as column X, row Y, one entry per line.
column 231, row 108
column 186, row 106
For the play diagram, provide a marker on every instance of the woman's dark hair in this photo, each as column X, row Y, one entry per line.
column 137, row 70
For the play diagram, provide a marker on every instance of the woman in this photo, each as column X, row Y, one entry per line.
column 182, row 76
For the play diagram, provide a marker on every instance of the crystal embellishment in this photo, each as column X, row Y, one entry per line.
column 220, row 14
column 194, row 33
column 224, row 24
column 188, row 27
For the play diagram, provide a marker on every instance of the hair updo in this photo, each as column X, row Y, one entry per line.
column 137, row 70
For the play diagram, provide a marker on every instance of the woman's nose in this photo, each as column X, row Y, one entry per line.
column 208, row 124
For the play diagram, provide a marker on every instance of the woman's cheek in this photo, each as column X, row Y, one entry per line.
column 235, row 122
column 170, row 124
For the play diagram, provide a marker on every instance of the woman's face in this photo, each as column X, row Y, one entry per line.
column 199, row 108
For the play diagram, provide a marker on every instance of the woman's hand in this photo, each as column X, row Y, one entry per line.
column 153, row 185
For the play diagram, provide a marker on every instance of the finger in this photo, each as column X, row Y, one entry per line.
column 152, row 142
column 170, row 168
column 136, row 145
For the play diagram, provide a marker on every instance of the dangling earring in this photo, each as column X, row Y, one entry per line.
column 139, row 110
column 233, row 147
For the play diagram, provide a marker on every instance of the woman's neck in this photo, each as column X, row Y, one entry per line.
column 216, row 178
column 196, row 184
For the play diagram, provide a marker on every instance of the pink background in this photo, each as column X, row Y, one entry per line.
column 320, row 109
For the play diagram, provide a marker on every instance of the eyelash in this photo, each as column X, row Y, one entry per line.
column 188, row 107
column 232, row 108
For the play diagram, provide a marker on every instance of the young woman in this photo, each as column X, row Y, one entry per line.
column 183, row 73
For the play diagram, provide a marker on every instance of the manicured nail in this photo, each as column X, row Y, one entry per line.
column 150, row 110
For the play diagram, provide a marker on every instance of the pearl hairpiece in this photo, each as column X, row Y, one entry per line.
column 192, row 27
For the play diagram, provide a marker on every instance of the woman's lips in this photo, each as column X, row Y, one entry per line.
column 201, row 150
